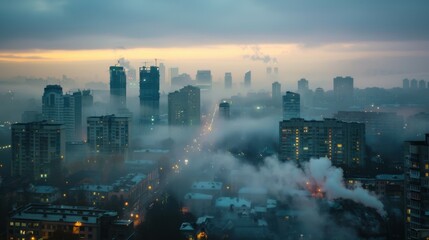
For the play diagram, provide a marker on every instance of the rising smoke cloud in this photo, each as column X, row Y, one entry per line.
column 258, row 55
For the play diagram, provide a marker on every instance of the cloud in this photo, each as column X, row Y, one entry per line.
column 80, row 24
column 12, row 56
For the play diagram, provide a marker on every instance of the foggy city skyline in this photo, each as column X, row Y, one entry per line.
column 378, row 43
column 214, row 119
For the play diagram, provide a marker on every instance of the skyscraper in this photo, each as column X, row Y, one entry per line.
column 204, row 79
column 184, row 107
column 118, row 87
column 343, row 143
column 422, row 84
column 228, row 80
column 149, row 94
column 224, row 110
column 406, row 83
column 64, row 109
column 276, row 92
column 416, row 189
column 291, row 106
column 413, row 84
column 303, row 86
column 38, row 150
column 343, row 91
column 108, row 134
column 248, row 79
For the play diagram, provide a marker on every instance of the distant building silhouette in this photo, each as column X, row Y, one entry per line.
column 276, row 93
column 303, row 86
column 174, row 72
column 204, row 79
column 248, row 79
column 406, row 83
column 413, row 84
column 291, row 106
column 118, row 87
column 343, row 143
column 162, row 75
column 184, row 107
column 422, row 84
column 228, row 80
column 343, row 91
column 149, row 95
column 181, row 81
column 38, row 150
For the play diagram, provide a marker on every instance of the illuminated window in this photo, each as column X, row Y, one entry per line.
column 426, row 166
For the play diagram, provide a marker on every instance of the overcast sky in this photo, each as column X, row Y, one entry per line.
column 378, row 42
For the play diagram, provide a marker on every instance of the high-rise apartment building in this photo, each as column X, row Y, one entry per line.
column 413, row 84
column 108, row 134
column 343, row 143
column 184, row 107
column 62, row 108
column 118, row 87
column 343, row 91
column 291, row 106
column 228, row 80
column 248, row 79
column 38, row 150
column 416, row 187
column 149, row 95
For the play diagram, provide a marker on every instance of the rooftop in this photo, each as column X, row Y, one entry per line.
column 207, row 186
column 60, row 213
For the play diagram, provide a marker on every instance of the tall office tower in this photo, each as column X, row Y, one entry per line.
column 204, row 79
column 416, row 187
column 118, row 87
column 184, row 107
column 422, row 84
column 291, row 106
column 406, row 83
column 276, row 93
column 228, row 80
column 149, row 94
column 343, row 91
column 38, row 150
column 63, row 109
column 343, row 143
column 108, row 134
column 224, row 110
column 413, row 84
column 303, row 86
column 162, row 75
column 248, row 79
